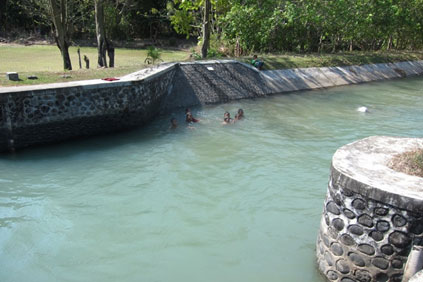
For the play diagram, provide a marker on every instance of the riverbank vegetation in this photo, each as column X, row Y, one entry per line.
column 44, row 61
column 237, row 27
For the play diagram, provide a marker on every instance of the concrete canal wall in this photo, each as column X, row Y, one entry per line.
column 31, row 115
column 372, row 215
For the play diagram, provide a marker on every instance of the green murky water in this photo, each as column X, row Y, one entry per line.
column 213, row 203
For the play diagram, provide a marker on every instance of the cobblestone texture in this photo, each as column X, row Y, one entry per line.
column 375, row 240
column 55, row 114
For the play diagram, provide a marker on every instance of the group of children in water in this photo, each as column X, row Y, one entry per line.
column 189, row 118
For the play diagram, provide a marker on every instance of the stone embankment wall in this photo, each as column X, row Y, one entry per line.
column 372, row 215
column 56, row 112
column 31, row 115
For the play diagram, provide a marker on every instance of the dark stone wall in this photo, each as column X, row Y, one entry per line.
column 212, row 83
column 52, row 115
column 41, row 115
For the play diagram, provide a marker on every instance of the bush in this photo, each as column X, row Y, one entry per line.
column 153, row 55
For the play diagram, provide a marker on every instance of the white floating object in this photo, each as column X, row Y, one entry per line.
column 210, row 68
column 362, row 110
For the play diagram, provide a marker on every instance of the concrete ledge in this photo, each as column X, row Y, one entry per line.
column 362, row 166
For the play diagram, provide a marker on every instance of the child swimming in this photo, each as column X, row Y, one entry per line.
column 173, row 123
column 227, row 118
column 189, row 118
column 239, row 115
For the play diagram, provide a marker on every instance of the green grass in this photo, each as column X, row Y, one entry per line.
column 287, row 61
column 45, row 62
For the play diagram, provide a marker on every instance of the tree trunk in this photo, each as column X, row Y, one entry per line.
column 101, row 34
column 320, row 48
column 389, row 47
column 111, row 53
column 79, row 58
column 334, row 43
column 61, row 26
column 206, row 29
column 3, row 17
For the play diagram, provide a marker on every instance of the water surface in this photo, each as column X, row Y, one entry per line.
column 210, row 203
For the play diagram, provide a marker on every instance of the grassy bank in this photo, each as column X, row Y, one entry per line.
column 45, row 62
column 288, row 61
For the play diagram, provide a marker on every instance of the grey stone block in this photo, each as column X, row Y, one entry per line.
column 398, row 220
column 383, row 226
column 337, row 249
column 387, row 249
column 399, row 239
column 348, row 213
column 12, row 76
column 333, row 208
column 366, row 249
column 338, row 224
column 356, row 229
column 343, row 266
column 380, row 262
column 356, row 259
column 381, row 211
column 365, row 220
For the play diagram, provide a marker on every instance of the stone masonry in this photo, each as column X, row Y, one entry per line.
column 372, row 215
column 54, row 114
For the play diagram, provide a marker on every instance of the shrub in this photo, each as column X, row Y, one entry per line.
column 153, row 55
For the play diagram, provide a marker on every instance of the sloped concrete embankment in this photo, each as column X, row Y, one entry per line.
column 315, row 78
column 31, row 115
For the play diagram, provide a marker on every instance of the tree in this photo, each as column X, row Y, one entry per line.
column 59, row 12
column 206, row 29
column 101, row 33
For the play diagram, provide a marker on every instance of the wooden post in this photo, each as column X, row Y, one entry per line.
column 79, row 57
column 111, row 53
column 87, row 62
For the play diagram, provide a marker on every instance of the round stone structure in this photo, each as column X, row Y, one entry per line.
column 372, row 214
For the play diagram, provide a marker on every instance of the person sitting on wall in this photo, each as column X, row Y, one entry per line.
column 257, row 62
column 173, row 123
column 239, row 115
column 189, row 118
column 227, row 118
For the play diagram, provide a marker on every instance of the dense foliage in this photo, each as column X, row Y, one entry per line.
column 250, row 25
column 125, row 19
